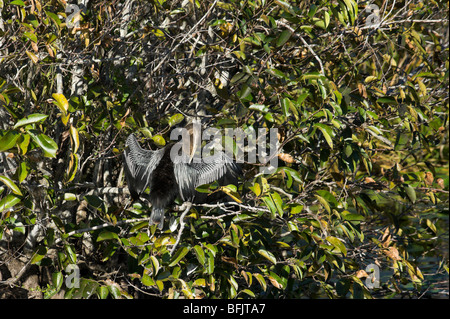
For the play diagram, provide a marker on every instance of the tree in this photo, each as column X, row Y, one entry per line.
column 357, row 91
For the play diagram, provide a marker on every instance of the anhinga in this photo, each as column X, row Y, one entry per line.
column 169, row 176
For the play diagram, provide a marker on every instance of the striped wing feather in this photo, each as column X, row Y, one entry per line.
column 189, row 176
column 139, row 165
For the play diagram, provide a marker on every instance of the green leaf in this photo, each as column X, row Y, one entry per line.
column 147, row 280
column 200, row 254
column 114, row 290
column 276, row 198
column 71, row 254
column 271, row 205
column 178, row 256
column 256, row 189
column 352, row 217
column 107, row 235
column 411, row 193
column 103, row 292
column 8, row 182
column 245, row 92
column 30, row 119
column 45, row 143
column 283, row 38
column 277, row 281
column 159, row 140
column 296, row 209
column 155, row 263
column 54, row 17
column 387, row 100
column 94, row 201
column 286, row 105
column 312, row 76
column 23, row 144
column 326, row 19
column 17, row 3
column 8, row 201
column 338, row 244
column 176, row 119
column 31, row 36
column 57, row 279
column 261, row 280
column 268, row 255
column 40, row 253
column 327, row 133
column 259, row 107
column 23, row 171
column 8, row 140
column 248, row 292
column 210, row 264
column 276, row 73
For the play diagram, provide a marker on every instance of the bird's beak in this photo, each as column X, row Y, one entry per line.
column 194, row 139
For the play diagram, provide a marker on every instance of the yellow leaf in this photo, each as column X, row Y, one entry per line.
column 75, row 138
column 370, row 79
column 234, row 195
column 422, row 87
column 33, row 57
column 61, row 102
column 324, row 203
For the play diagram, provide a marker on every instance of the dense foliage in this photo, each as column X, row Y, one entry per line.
column 357, row 90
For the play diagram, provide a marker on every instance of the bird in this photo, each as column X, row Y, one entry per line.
column 170, row 176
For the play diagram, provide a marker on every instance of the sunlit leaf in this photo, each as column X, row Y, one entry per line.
column 268, row 255
column 181, row 252
column 8, row 201
column 8, row 140
column 8, row 182
column 45, row 143
column 30, row 119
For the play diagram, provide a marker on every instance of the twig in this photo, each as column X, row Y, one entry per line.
column 104, row 225
column 182, row 223
column 314, row 54
column 305, row 43
column 186, row 37
column 224, row 206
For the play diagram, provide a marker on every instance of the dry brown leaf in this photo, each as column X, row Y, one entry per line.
column 429, row 178
column 362, row 274
column 286, row 158
column 386, row 239
column 392, row 252
column 440, row 183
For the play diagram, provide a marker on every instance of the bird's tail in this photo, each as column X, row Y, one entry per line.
column 157, row 217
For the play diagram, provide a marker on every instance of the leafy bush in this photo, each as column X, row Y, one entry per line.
column 357, row 91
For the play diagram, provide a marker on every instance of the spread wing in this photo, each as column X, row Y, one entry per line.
column 191, row 175
column 139, row 165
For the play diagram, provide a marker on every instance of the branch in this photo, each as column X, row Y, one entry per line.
column 180, row 231
column 224, row 207
column 104, row 225
column 305, row 43
column 186, row 37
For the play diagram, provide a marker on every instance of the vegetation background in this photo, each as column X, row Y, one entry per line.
column 357, row 89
